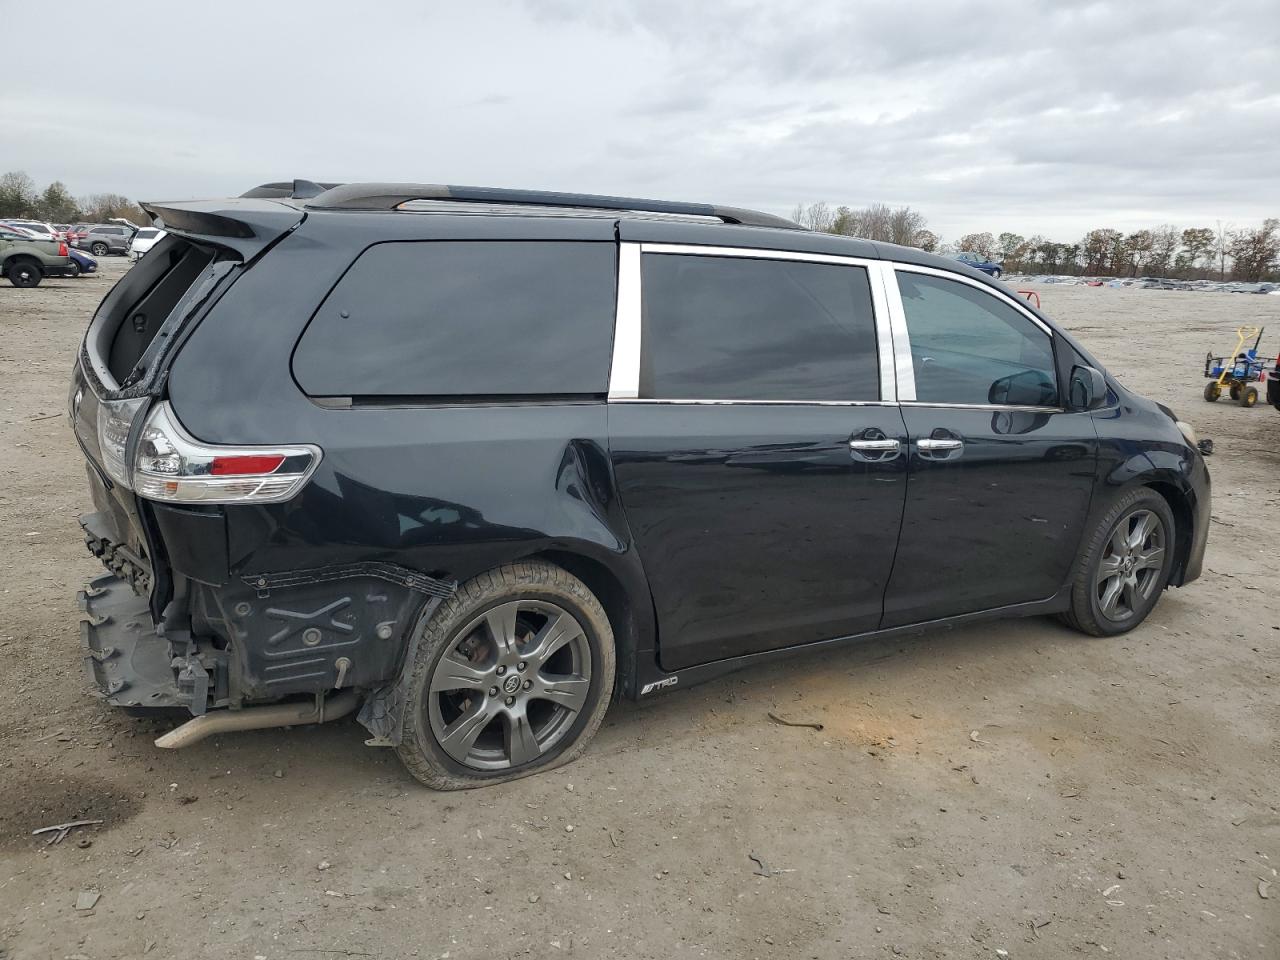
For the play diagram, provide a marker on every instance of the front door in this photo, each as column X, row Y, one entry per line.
column 1000, row 473
column 760, row 464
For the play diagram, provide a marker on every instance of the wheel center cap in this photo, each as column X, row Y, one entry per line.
column 511, row 684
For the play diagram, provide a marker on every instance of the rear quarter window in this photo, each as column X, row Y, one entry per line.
column 465, row 319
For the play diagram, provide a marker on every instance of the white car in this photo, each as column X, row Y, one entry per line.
column 144, row 240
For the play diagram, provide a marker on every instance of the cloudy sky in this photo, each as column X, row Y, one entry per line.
column 1036, row 115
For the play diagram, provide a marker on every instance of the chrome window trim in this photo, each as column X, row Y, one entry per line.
column 982, row 406
column 624, row 374
column 624, row 378
column 902, row 335
column 977, row 285
column 904, row 368
column 759, row 403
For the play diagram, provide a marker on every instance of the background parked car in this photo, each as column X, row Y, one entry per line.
column 42, row 231
column 989, row 267
column 81, row 263
column 144, row 240
column 102, row 239
column 26, row 260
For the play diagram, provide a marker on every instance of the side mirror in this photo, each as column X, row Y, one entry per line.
column 1030, row 388
column 1088, row 388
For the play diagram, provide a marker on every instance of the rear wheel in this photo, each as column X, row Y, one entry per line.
column 1248, row 397
column 99, row 249
column 512, row 675
column 1125, row 566
column 25, row 273
column 1212, row 390
column 1235, row 391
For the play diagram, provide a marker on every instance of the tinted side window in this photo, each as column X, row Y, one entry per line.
column 471, row 318
column 727, row 328
column 969, row 347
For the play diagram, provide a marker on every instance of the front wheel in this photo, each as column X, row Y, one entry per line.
column 512, row 675
column 995, row 274
column 73, row 270
column 1212, row 390
column 1125, row 566
column 1248, row 397
column 24, row 273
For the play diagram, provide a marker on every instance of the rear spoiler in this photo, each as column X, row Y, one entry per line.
column 247, row 226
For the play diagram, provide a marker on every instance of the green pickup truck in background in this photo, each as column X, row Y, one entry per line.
column 25, row 260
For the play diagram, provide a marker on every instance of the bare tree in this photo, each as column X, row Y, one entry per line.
column 983, row 244
column 904, row 225
column 1254, row 252
column 1220, row 242
column 1197, row 243
column 1138, row 249
column 927, row 240
column 814, row 216
column 101, row 207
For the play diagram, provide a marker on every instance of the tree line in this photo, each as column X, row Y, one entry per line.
column 20, row 198
column 1195, row 253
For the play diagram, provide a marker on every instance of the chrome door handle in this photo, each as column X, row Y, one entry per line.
column 879, row 450
column 873, row 446
column 932, row 445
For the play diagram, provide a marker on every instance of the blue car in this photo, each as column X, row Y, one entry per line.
column 989, row 267
column 80, row 263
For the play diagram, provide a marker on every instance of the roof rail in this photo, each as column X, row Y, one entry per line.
column 389, row 196
column 289, row 190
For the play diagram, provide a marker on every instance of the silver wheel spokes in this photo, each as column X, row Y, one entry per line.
column 1130, row 568
column 510, row 685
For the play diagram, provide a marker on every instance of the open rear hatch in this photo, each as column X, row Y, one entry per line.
column 119, row 375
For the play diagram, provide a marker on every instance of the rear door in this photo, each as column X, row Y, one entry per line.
column 756, row 443
column 1001, row 473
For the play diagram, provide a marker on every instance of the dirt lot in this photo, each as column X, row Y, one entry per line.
column 1011, row 788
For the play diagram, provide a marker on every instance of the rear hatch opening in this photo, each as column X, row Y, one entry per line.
column 130, row 343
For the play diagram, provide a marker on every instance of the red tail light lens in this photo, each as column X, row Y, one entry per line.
column 171, row 465
column 241, row 465
column 62, row 249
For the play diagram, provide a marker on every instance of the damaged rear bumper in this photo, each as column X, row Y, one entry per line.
column 126, row 661
column 130, row 659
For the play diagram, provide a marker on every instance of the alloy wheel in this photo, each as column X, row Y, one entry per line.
column 510, row 685
column 1130, row 569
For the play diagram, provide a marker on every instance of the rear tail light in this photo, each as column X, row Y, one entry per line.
column 62, row 249
column 115, row 420
column 171, row 465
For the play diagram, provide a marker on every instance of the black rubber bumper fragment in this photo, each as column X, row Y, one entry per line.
column 127, row 660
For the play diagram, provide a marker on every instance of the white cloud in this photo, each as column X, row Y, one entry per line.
column 1035, row 116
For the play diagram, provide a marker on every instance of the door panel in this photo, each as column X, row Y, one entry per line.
column 757, row 524
column 996, row 521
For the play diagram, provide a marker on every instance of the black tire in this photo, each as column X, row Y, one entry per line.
column 1086, row 613
column 25, row 273
column 995, row 274
column 73, row 270
column 1234, row 392
column 1212, row 390
column 99, row 249
column 456, row 624
column 1248, row 397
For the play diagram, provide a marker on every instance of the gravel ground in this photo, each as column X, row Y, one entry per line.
column 1011, row 788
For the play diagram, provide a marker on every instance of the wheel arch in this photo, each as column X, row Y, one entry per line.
column 626, row 600
column 1179, row 501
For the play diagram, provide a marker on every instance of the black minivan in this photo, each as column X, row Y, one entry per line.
column 472, row 462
